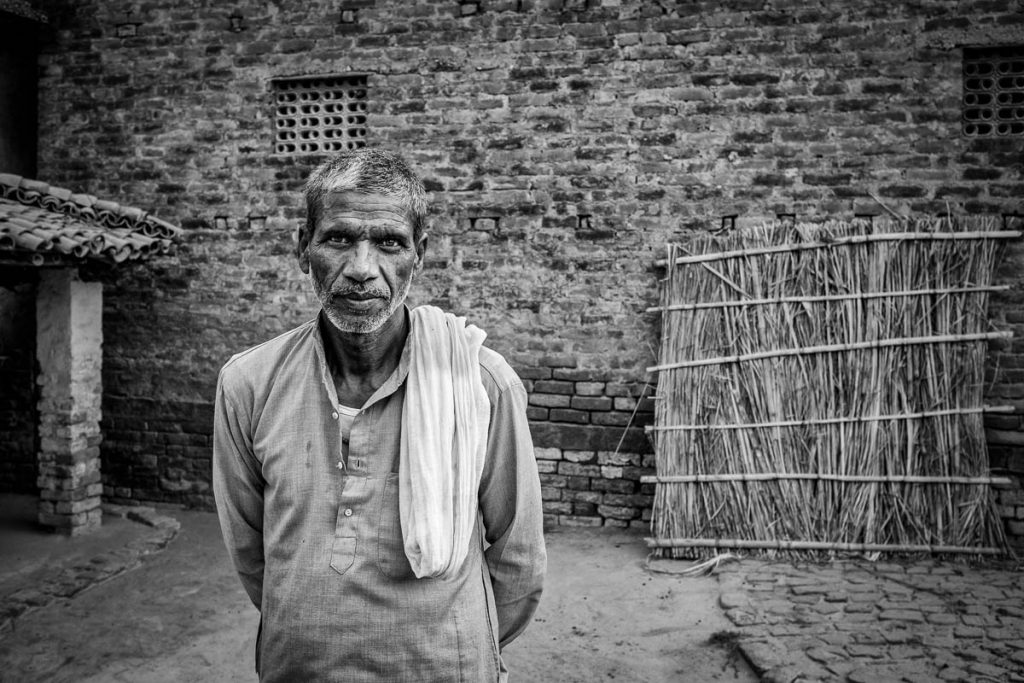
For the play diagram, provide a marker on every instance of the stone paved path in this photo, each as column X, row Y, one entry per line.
column 867, row 622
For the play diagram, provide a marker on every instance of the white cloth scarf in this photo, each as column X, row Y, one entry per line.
column 444, row 436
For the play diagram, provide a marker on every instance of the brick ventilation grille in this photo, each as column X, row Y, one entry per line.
column 314, row 115
column 993, row 98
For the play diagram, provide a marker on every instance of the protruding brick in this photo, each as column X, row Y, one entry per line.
column 547, row 453
column 550, row 400
column 582, row 457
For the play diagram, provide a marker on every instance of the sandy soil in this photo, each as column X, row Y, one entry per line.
column 607, row 617
column 182, row 616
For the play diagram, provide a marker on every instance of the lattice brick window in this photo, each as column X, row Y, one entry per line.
column 993, row 91
column 319, row 114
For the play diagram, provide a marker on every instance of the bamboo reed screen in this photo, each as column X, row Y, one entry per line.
column 820, row 389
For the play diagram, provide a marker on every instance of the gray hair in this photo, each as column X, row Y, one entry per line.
column 370, row 171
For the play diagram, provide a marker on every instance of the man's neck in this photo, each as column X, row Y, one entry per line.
column 361, row 362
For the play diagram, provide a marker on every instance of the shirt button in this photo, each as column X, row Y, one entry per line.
column 348, row 512
column 334, row 415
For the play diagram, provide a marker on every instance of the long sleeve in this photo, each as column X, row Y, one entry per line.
column 238, row 482
column 513, row 518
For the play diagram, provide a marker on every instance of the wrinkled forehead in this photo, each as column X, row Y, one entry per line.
column 372, row 205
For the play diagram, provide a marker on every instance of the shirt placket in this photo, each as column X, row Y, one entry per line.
column 358, row 474
column 343, row 549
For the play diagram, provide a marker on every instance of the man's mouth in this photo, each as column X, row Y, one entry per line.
column 360, row 296
column 357, row 301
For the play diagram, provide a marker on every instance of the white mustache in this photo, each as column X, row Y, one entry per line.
column 369, row 291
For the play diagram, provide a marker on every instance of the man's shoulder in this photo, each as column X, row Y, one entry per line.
column 266, row 357
column 496, row 373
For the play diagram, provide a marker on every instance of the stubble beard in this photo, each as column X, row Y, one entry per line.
column 360, row 324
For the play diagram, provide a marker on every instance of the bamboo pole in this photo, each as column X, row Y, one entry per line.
column 832, row 348
column 737, row 543
column 845, row 241
column 817, row 476
column 826, row 298
column 835, row 420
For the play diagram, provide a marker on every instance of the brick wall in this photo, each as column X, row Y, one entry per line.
column 564, row 143
column 17, row 387
column 591, row 446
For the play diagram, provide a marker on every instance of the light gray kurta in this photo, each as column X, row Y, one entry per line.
column 317, row 539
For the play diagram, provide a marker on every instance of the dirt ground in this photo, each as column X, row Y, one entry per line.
column 182, row 616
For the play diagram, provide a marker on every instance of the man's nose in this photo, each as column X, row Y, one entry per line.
column 361, row 264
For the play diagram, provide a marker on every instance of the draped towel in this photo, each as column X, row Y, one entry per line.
column 445, row 419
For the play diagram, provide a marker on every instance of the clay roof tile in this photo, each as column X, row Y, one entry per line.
column 41, row 224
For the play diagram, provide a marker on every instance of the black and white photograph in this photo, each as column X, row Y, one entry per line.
column 511, row 341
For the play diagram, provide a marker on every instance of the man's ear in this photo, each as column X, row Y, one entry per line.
column 421, row 251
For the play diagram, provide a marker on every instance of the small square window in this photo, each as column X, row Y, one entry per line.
column 319, row 114
column 993, row 92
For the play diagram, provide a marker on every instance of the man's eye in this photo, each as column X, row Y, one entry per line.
column 337, row 239
column 390, row 243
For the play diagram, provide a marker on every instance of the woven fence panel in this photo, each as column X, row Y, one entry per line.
column 821, row 388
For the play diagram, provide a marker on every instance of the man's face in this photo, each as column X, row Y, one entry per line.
column 361, row 259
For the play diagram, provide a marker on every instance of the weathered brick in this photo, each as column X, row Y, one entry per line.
column 611, row 419
column 618, row 512
column 550, row 400
column 547, row 453
column 579, row 521
column 589, row 388
column 533, row 373
column 577, row 483
column 550, row 493
column 556, row 507
column 628, row 500
column 559, row 361
column 555, row 480
column 618, row 458
column 581, row 457
column 569, row 415
column 547, row 466
column 536, row 413
column 613, row 485
column 553, row 387
column 578, row 470
column 600, row 403
column 583, row 496
column 580, row 375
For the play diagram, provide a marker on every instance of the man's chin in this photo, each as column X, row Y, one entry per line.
column 358, row 323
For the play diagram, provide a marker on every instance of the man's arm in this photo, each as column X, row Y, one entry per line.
column 513, row 518
column 238, row 483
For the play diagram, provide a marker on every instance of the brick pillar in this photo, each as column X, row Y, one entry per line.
column 69, row 338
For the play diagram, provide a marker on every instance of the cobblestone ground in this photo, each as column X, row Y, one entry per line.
column 867, row 622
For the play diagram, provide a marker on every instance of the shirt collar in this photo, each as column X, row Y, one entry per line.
column 395, row 380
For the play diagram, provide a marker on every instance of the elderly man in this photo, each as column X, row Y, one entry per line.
column 373, row 468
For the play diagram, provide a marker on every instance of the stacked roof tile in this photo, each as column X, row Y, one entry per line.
column 41, row 224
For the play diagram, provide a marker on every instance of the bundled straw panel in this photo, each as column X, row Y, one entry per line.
column 821, row 389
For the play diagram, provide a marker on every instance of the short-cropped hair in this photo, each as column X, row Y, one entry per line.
column 372, row 171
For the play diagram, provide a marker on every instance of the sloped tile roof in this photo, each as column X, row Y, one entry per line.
column 22, row 8
column 41, row 224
